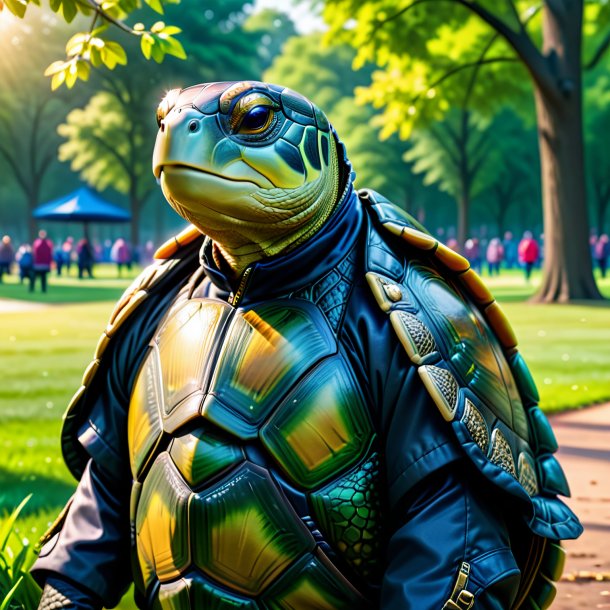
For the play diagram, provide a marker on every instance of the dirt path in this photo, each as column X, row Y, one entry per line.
column 584, row 441
column 15, row 306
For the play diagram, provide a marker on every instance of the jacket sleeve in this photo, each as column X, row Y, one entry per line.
column 92, row 549
column 444, row 516
column 450, row 539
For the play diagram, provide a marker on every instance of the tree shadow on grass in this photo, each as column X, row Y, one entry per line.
column 48, row 493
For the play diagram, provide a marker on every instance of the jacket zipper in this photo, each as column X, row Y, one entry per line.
column 460, row 599
column 239, row 293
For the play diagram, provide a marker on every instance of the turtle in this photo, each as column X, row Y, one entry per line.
column 307, row 401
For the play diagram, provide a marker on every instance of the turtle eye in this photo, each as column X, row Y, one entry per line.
column 256, row 120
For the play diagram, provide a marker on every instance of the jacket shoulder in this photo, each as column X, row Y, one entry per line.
column 465, row 350
column 153, row 286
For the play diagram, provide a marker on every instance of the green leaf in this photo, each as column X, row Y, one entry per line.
column 146, row 44
column 9, row 524
column 55, row 5
column 78, row 44
column 157, row 52
column 9, row 596
column 55, row 67
column 117, row 51
column 83, row 70
column 157, row 27
column 58, row 80
column 99, row 30
column 17, row 7
column 69, row 10
column 108, row 58
column 155, row 5
column 172, row 46
column 71, row 76
column 170, row 30
column 95, row 56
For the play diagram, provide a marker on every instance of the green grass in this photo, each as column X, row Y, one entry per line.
column 69, row 289
column 45, row 352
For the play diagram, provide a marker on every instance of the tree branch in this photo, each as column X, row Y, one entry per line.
column 523, row 45
column 466, row 66
column 381, row 22
column 599, row 53
column 452, row 133
column 441, row 141
column 515, row 12
column 104, row 15
column 112, row 151
column 21, row 179
column 475, row 168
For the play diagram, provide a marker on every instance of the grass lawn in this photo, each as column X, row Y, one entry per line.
column 69, row 289
column 45, row 352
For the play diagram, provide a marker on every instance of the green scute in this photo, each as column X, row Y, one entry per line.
column 202, row 455
column 315, row 585
column 469, row 345
column 194, row 593
column 244, row 534
column 349, row 513
column 321, row 428
column 266, row 350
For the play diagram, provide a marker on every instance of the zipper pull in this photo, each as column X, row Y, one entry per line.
column 460, row 598
column 239, row 293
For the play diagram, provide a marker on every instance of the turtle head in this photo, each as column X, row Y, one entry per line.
column 248, row 163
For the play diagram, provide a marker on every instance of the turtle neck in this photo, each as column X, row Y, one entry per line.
column 285, row 273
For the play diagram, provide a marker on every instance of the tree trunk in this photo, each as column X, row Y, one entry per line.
column 32, row 227
column 32, row 203
column 568, row 273
column 135, row 222
column 463, row 204
column 602, row 204
column 501, row 212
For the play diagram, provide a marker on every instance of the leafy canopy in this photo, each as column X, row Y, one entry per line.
column 434, row 56
column 96, row 46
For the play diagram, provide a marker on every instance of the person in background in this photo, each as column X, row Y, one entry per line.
column 601, row 253
column 58, row 257
column 494, row 255
column 592, row 244
column 148, row 253
column 121, row 255
column 85, row 258
column 107, row 251
column 510, row 250
column 42, row 251
column 67, row 249
column 25, row 260
column 452, row 243
column 529, row 253
column 472, row 252
column 7, row 255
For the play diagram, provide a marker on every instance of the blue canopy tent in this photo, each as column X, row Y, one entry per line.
column 83, row 205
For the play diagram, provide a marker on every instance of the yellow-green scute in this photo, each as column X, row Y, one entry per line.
column 263, row 392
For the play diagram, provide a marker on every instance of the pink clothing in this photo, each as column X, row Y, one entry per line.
column 495, row 251
column 120, row 252
column 43, row 252
column 529, row 251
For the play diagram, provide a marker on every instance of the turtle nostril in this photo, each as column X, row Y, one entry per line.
column 162, row 126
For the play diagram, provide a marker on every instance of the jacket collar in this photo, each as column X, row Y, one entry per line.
column 286, row 273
